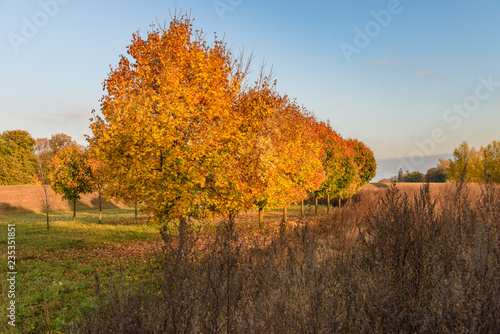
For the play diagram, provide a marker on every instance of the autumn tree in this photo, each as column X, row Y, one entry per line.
column 180, row 133
column 98, row 180
column 71, row 174
column 364, row 160
column 168, row 122
column 467, row 165
column 277, row 161
column 47, row 148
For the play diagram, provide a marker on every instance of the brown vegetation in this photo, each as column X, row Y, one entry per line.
column 416, row 261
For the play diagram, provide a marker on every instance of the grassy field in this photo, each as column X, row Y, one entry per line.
column 57, row 269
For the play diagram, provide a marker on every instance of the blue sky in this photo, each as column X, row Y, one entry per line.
column 408, row 78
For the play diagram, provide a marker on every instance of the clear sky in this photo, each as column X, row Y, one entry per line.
column 408, row 78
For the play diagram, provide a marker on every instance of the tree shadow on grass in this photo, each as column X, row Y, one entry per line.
column 9, row 208
column 105, row 204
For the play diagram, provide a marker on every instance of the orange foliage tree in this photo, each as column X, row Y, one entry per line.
column 168, row 124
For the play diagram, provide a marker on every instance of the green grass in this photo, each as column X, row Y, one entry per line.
column 57, row 269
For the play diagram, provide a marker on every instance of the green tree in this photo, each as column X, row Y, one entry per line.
column 365, row 160
column 400, row 176
column 18, row 163
column 415, row 176
column 435, row 174
column 71, row 174
column 338, row 164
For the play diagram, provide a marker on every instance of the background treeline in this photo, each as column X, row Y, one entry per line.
column 468, row 165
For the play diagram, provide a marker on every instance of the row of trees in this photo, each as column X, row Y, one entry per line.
column 468, row 165
column 183, row 132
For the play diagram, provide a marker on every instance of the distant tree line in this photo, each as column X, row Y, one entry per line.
column 468, row 165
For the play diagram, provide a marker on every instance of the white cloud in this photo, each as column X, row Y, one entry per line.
column 425, row 74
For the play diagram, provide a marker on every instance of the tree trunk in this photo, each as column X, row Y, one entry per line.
column 302, row 208
column 74, row 210
column 182, row 236
column 47, row 206
column 328, row 204
column 136, row 211
column 285, row 218
column 315, row 205
column 261, row 218
column 340, row 202
column 100, row 207
column 231, row 224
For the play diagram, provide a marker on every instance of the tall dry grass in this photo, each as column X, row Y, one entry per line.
column 423, row 260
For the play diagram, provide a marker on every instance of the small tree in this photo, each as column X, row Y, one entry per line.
column 71, row 174
column 46, row 149
column 97, row 180
column 46, row 204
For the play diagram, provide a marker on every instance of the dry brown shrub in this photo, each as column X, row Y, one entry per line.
column 396, row 260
